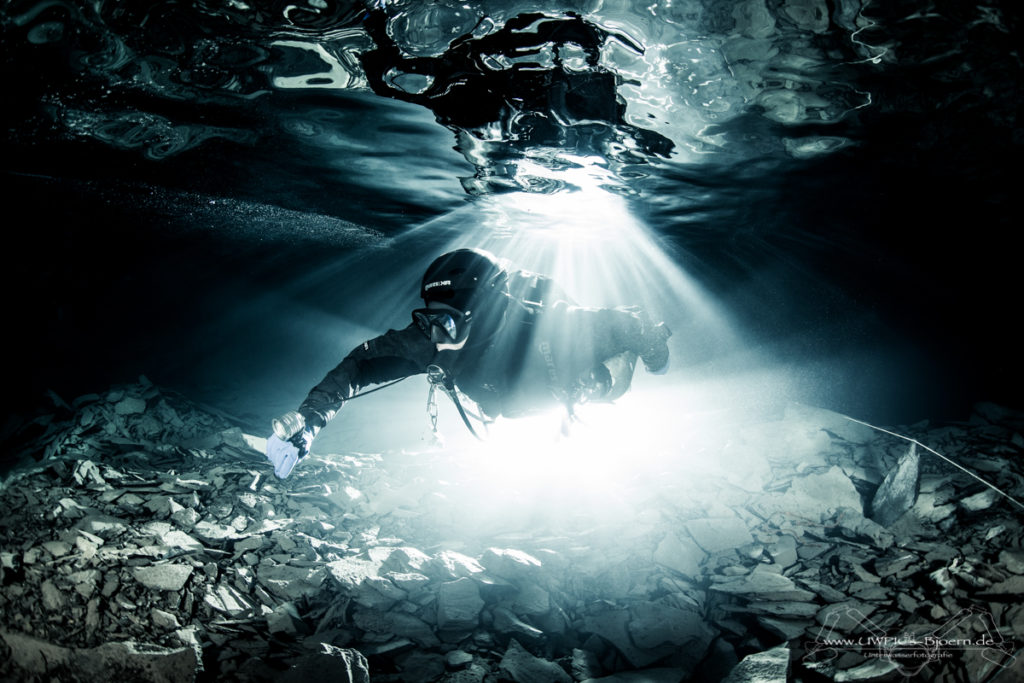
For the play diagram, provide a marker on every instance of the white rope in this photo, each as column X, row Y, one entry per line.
column 940, row 455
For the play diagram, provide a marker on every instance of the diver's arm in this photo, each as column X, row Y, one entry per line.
column 391, row 356
column 394, row 355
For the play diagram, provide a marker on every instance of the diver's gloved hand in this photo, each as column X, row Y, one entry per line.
column 303, row 441
column 285, row 454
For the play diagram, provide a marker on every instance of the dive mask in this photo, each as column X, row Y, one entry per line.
column 442, row 323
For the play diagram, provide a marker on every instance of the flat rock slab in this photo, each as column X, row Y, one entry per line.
column 130, row 406
column 898, row 491
column 53, row 599
column 449, row 564
column 397, row 623
column 1012, row 586
column 771, row 666
column 613, row 626
column 523, row 667
column 110, row 661
column 458, row 604
column 405, row 560
column 104, row 526
column 163, row 577
column 784, row 609
column 980, row 501
column 226, row 599
column 850, row 523
column 289, row 582
column 818, row 495
column 763, row 584
column 786, row 628
column 532, row 600
column 179, row 539
column 510, row 564
column 1013, row 560
column 720, row 533
column 505, row 621
column 350, row 572
column 680, row 554
column 335, row 664
column 653, row 624
column 214, row 533
column 783, row 551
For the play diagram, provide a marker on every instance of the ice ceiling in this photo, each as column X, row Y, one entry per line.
column 515, row 81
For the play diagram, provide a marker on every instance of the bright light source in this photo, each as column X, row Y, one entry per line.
column 591, row 243
column 666, row 436
column 603, row 256
column 611, row 472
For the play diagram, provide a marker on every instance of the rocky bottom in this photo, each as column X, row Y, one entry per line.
column 146, row 538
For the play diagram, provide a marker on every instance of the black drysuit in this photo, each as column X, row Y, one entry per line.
column 532, row 357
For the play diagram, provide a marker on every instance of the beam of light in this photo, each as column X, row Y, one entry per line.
column 587, row 239
column 666, row 428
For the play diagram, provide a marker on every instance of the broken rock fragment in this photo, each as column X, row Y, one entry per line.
column 898, row 491
column 505, row 621
column 818, row 494
column 523, row 667
column 289, row 582
column 449, row 564
column 851, row 524
column 53, row 599
column 335, row 664
column 404, row 560
column 979, row 501
column 163, row 577
column 784, row 551
column 771, row 666
column 111, row 661
column 283, row 619
column 396, row 623
column 680, row 554
column 458, row 604
column 719, row 533
column 844, row 617
column 764, row 584
column 225, row 599
column 653, row 624
column 1013, row 560
column 510, row 564
column 164, row 620
column 612, row 625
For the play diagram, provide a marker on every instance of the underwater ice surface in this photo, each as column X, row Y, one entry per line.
column 832, row 173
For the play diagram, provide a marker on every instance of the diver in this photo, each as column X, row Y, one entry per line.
column 511, row 341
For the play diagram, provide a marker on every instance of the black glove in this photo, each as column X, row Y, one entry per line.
column 303, row 441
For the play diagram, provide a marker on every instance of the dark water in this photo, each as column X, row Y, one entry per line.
column 227, row 195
